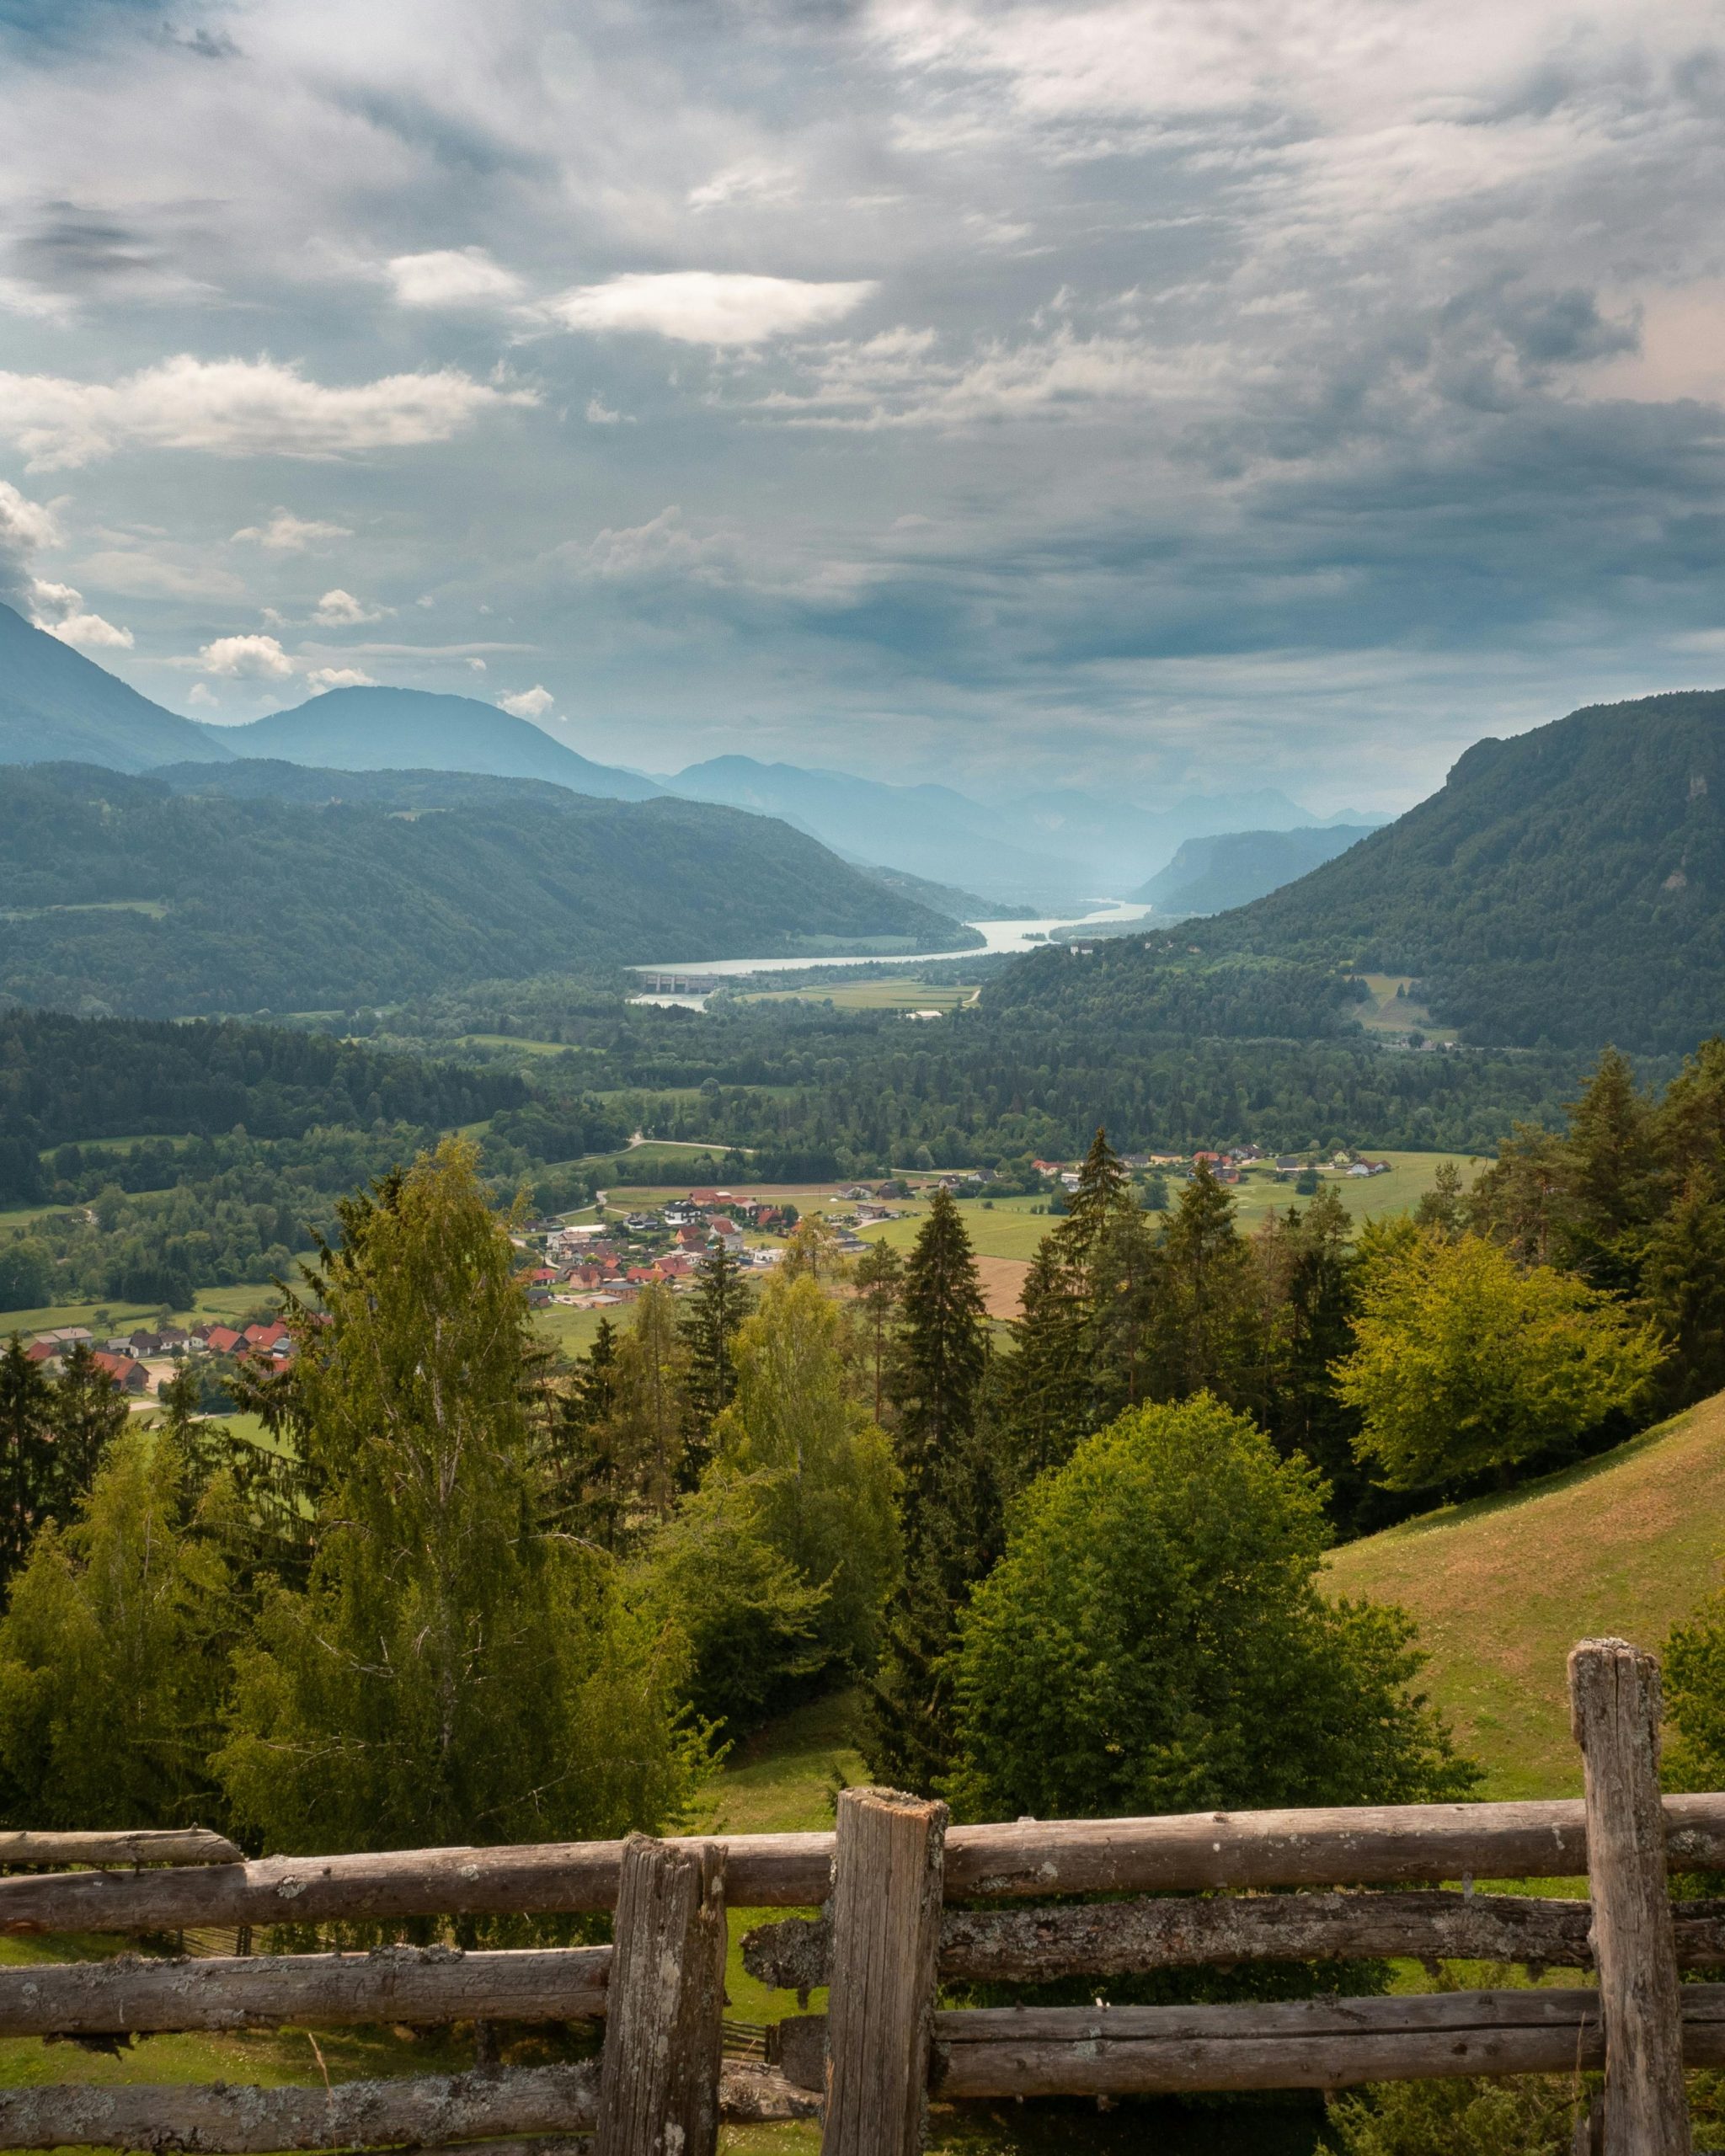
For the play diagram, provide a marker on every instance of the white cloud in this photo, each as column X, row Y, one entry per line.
column 248, row 657
column 339, row 677
column 452, row 277
column 288, row 534
column 528, row 703
column 238, row 407
column 340, row 610
column 600, row 415
column 201, row 693
column 751, row 181
column 60, row 609
column 25, row 527
column 708, row 306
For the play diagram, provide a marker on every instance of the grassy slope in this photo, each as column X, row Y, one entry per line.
column 1501, row 1588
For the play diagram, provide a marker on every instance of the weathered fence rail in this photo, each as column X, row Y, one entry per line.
column 1208, row 1888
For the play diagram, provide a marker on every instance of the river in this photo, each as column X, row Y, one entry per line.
column 1009, row 936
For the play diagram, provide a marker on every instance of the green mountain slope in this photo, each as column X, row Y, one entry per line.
column 1209, row 875
column 120, row 894
column 1501, row 1588
column 55, row 705
column 413, row 729
column 1567, row 886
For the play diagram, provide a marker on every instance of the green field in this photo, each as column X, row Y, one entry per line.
column 1503, row 1588
column 871, row 995
column 220, row 1304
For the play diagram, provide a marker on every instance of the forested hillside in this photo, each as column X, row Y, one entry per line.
column 1566, row 886
column 1209, row 875
column 118, row 891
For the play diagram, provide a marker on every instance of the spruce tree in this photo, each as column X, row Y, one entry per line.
column 721, row 1302
column 943, row 1347
column 87, row 1413
column 589, row 1484
column 880, row 1281
column 26, row 1453
column 1044, row 1385
column 952, row 1504
column 1206, row 1333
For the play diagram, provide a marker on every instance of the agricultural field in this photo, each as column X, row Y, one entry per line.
column 1390, row 1012
column 1501, row 1588
column 875, row 995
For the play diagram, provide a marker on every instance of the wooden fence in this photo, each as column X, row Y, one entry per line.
column 898, row 1890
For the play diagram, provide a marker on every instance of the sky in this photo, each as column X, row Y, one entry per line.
column 1143, row 396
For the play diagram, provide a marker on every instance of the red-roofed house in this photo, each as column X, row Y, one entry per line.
column 128, row 1376
column 261, row 1339
column 223, row 1340
column 43, row 1351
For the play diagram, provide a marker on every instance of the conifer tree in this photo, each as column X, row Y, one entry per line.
column 590, row 1482
column 651, row 1410
column 1684, row 1278
column 937, row 1373
column 87, row 1411
column 880, row 1279
column 1206, row 1333
column 26, row 1453
column 1043, row 1388
column 953, row 1502
column 721, row 1302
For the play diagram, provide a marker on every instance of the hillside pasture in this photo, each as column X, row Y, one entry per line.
column 1503, row 1587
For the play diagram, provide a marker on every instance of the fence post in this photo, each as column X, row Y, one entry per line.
column 886, row 1902
column 1614, row 1704
column 659, row 2079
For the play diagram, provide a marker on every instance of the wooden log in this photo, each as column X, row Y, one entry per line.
column 1303, row 2044
column 1614, row 1700
column 140, row 1845
column 418, row 1985
column 1026, row 1861
column 753, row 2095
column 1296, row 2044
column 429, row 2111
column 521, row 2111
column 886, row 1899
column 659, row 2088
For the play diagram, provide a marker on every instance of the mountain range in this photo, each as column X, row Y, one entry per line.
column 249, row 885
column 1209, row 875
column 1048, row 850
column 416, row 730
column 1566, row 886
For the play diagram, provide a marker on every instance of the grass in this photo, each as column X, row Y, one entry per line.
column 221, row 1304
column 884, row 994
column 1501, row 1588
column 1389, row 1012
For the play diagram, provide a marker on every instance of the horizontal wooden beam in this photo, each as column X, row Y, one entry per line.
column 431, row 2111
column 521, row 2111
column 1113, row 1938
column 145, row 1845
column 1029, row 1859
column 1322, row 2043
column 418, row 1985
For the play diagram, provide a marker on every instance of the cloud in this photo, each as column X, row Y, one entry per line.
column 452, row 277
column 246, row 657
column 340, row 610
column 239, row 407
column 60, row 609
column 26, row 527
column 528, row 703
column 708, row 306
column 339, row 677
column 288, row 534
column 600, row 415
column 202, row 694
column 753, row 180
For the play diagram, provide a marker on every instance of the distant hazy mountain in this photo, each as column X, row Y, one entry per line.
column 1209, row 875
column 929, row 832
column 56, row 704
column 1567, row 886
column 1123, row 839
column 416, row 730
column 163, row 894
